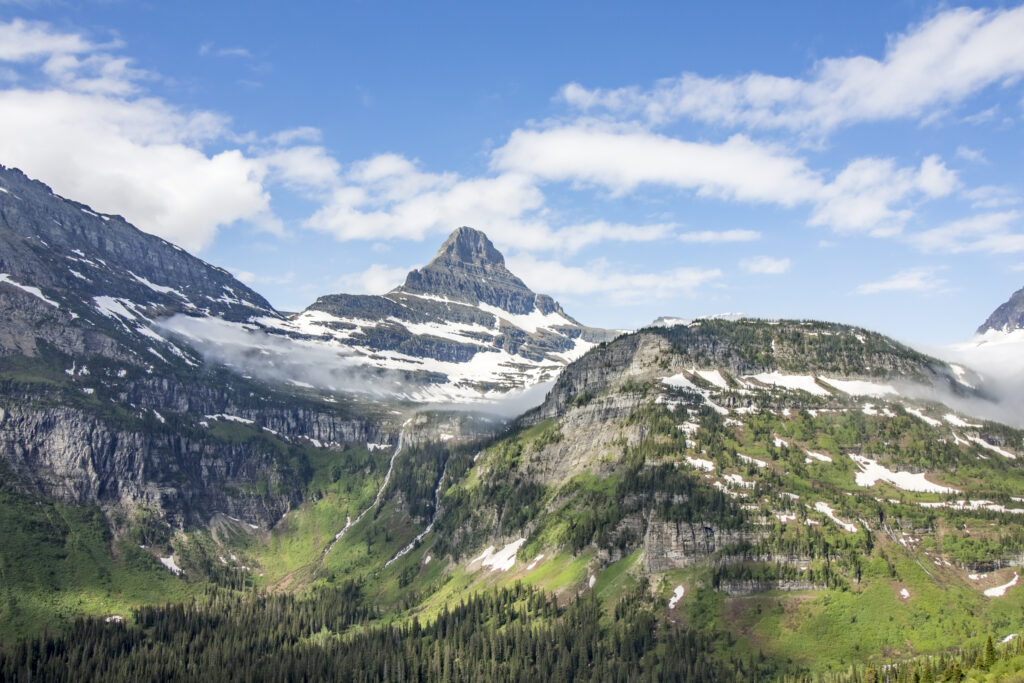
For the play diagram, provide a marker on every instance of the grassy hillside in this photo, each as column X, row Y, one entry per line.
column 679, row 518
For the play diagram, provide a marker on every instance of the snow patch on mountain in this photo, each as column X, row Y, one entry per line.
column 502, row 560
column 795, row 382
column 871, row 472
column 28, row 289
column 1000, row 591
column 856, row 387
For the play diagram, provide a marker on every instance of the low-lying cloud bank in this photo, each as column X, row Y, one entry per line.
column 312, row 364
column 998, row 362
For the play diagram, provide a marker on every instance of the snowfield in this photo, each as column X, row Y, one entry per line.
column 856, row 387
column 1000, row 591
column 795, row 382
column 826, row 509
column 701, row 464
column 811, row 456
column 996, row 449
column 28, row 289
column 871, row 473
column 503, row 560
column 931, row 421
column 713, row 377
column 677, row 595
column 171, row 564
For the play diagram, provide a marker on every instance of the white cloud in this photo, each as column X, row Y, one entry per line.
column 987, row 232
column 207, row 49
column 137, row 158
column 22, row 40
column 992, row 197
column 936, row 64
column 377, row 279
column 599, row 277
column 250, row 278
column 867, row 196
column 621, row 160
column 302, row 167
column 388, row 197
column 91, row 136
column 765, row 265
column 718, row 236
column 975, row 156
column 910, row 280
column 864, row 195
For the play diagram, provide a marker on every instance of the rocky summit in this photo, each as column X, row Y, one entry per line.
column 1009, row 316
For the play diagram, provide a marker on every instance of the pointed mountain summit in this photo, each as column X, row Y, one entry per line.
column 469, row 269
column 1008, row 317
column 463, row 324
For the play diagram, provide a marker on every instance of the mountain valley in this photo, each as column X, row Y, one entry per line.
column 195, row 482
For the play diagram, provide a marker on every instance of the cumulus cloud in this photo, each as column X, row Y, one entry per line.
column 910, row 280
column 975, row 156
column 208, row 50
column 987, row 232
column 621, row 160
column 22, row 40
column 136, row 158
column 765, row 265
column 867, row 195
column 250, row 278
column 937, row 64
column 599, row 277
column 390, row 197
column 992, row 197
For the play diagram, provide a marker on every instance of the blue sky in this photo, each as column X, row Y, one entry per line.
column 861, row 163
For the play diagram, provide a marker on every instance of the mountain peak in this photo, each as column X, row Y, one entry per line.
column 1008, row 317
column 470, row 246
column 469, row 269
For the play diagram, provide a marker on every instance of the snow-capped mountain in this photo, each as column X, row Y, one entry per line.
column 84, row 283
column 463, row 325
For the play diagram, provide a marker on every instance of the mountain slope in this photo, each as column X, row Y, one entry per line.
column 97, row 406
column 778, row 491
column 90, row 283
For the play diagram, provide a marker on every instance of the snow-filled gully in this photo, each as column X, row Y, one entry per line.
column 349, row 523
column 419, row 537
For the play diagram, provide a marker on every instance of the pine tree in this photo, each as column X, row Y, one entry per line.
column 990, row 652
